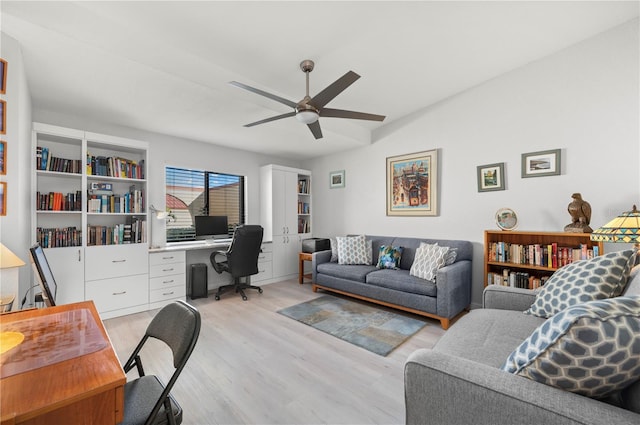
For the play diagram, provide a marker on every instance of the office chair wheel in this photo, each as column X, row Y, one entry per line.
column 217, row 297
column 260, row 290
column 244, row 298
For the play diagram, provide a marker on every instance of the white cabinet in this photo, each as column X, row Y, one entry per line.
column 265, row 263
column 67, row 265
column 167, row 277
column 285, row 214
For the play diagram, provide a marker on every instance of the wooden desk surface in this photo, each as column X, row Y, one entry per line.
column 84, row 389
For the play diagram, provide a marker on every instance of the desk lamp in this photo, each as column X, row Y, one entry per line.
column 9, row 283
column 625, row 228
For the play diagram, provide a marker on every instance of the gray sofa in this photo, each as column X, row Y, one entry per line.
column 443, row 299
column 459, row 381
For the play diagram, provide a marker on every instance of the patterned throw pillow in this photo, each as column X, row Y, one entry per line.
column 598, row 278
column 429, row 258
column 334, row 250
column 389, row 257
column 353, row 250
column 450, row 256
column 589, row 349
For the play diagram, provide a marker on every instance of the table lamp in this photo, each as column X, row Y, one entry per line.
column 9, row 282
column 625, row 228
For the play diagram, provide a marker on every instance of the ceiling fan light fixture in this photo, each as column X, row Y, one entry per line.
column 307, row 117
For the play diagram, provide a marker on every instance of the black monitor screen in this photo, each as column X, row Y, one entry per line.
column 44, row 275
column 211, row 226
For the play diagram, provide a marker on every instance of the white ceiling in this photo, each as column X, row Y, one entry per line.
column 164, row 66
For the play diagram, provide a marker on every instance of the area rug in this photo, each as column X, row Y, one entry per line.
column 375, row 329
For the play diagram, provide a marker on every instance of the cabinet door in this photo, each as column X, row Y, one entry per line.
column 291, row 203
column 67, row 266
column 285, row 255
column 278, row 202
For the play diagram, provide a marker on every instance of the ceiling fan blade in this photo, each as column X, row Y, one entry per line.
column 334, row 89
column 264, row 93
column 340, row 113
column 315, row 129
column 277, row 117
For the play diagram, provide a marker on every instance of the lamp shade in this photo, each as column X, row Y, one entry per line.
column 8, row 259
column 625, row 228
column 307, row 117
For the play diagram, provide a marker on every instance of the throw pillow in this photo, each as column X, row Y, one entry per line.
column 429, row 258
column 352, row 250
column 581, row 281
column 633, row 285
column 589, row 349
column 334, row 250
column 389, row 257
column 450, row 256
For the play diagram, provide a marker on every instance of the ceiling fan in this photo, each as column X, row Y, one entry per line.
column 309, row 109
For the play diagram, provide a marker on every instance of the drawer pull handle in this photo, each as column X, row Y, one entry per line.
column 167, row 281
column 119, row 293
column 261, row 271
column 118, row 261
column 168, row 270
column 167, row 258
column 168, row 293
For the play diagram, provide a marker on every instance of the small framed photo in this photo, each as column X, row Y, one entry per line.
column 336, row 179
column 3, row 119
column 3, row 198
column 491, row 177
column 3, row 157
column 3, row 76
column 540, row 164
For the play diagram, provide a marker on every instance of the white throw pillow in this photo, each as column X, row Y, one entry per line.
column 428, row 259
column 352, row 250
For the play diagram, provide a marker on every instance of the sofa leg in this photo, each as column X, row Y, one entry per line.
column 444, row 323
column 314, row 288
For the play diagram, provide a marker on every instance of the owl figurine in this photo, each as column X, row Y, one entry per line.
column 580, row 212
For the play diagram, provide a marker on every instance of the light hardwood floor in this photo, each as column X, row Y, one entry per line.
column 254, row 366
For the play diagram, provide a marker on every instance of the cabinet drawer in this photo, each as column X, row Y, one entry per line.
column 167, row 269
column 169, row 293
column 167, row 281
column 267, row 247
column 265, row 271
column 156, row 258
column 265, row 256
column 104, row 262
column 117, row 293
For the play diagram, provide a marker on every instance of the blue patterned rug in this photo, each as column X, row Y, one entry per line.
column 375, row 329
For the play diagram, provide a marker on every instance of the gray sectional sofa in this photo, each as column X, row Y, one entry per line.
column 459, row 381
column 442, row 299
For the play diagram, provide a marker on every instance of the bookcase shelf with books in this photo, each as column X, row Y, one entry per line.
column 528, row 259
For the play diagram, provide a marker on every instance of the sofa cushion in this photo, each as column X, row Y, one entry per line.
column 598, row 278
column 389, row 257
column 352, row 250
column 350, row 272
column 429, row 258
column 400, row 280
column 591, row 349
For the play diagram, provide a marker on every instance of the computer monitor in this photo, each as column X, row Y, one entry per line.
column 43, row 275
column 211, row 227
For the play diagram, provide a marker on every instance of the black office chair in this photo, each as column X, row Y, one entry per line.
column 146, row 400
column 241, row 259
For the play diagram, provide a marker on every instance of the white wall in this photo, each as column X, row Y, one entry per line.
column 583, row 100
column 14, row 227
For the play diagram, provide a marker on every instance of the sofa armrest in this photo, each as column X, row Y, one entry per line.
column 318, row 257
column 507, row 298
column 443, row 389
column 453, row 285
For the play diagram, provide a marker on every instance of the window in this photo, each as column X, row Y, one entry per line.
column 194, row 192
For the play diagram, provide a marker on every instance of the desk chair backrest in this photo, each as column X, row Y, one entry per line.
column 242, row 255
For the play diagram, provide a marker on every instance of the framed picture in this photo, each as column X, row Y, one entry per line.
column 491, row 177
column 3, row 157
column 3, row 120
column 336, row 179
column 412, row 184
column 3, row 76
column 3, row 198
column 539, row 164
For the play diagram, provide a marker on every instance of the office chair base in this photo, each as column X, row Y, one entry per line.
column 239, row 287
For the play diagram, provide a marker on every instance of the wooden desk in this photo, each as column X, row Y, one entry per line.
column 302, row 257
column 82, row 388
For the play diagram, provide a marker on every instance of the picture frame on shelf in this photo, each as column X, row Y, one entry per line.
column 491, row 177
column 506, row 219
column 412, row 184
column 541, row 163
column 3, row 117
column 3, row 198
column 3, row 76
column 3, row 157
column 336, row 179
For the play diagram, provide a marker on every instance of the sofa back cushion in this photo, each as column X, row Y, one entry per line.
column 591, row 349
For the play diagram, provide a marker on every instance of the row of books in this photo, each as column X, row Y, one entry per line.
column 112, row 166
column 516, row 279
column 132, row 232
column 303, row 186
column 131, row 202
column 58, row 237
column 303, row 208
column 57, row 201
column 46, row 161
column 304, row 225
column 550, row 255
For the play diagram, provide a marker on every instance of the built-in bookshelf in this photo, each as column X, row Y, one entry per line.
column 528, row 259
column 304, row 204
